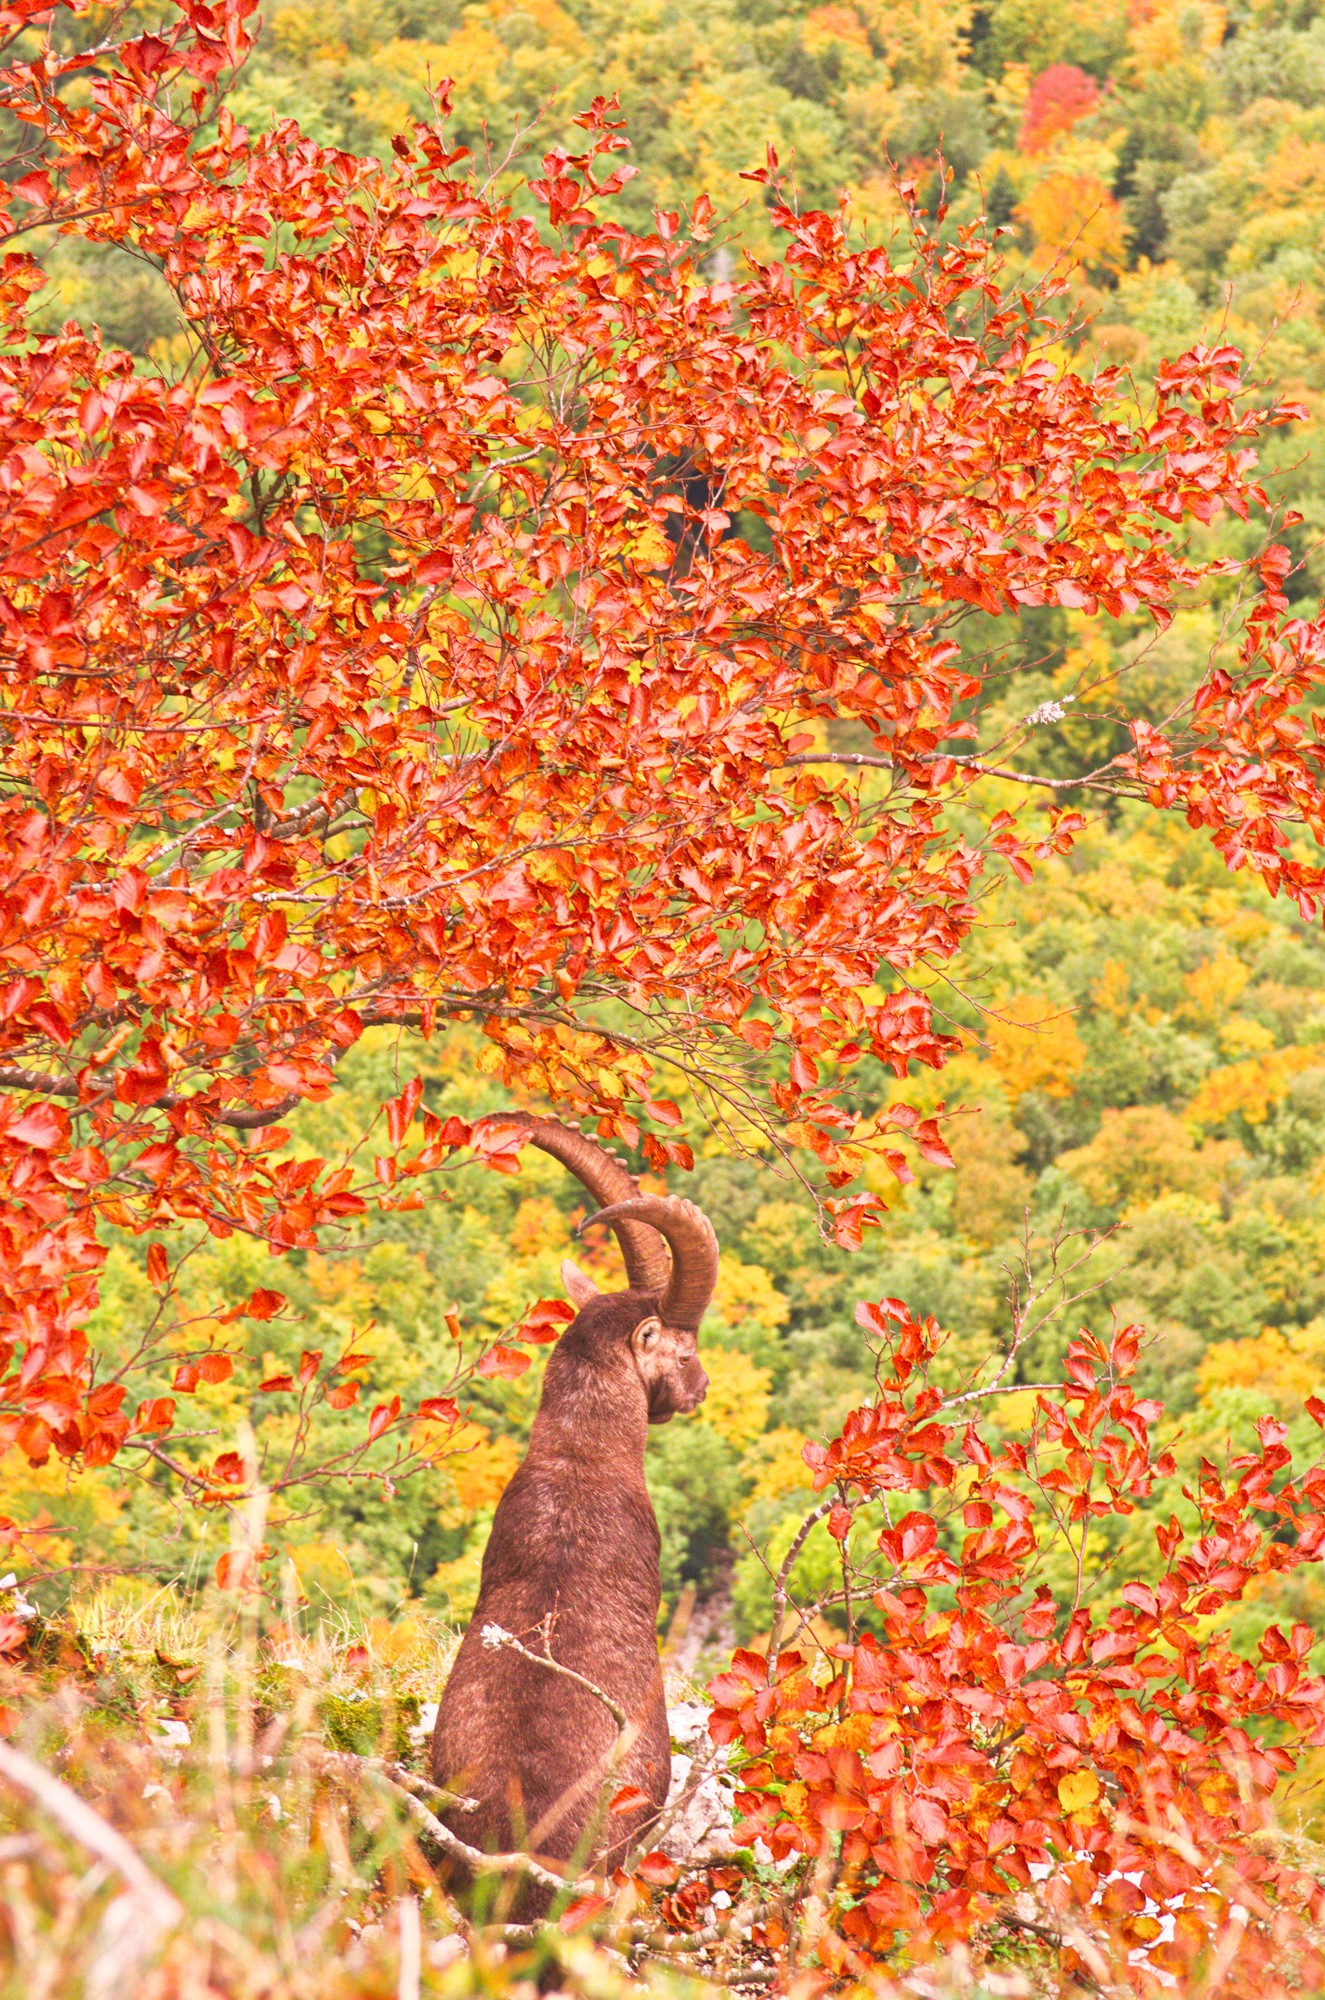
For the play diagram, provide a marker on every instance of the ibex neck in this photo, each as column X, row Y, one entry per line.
column 591, row 1416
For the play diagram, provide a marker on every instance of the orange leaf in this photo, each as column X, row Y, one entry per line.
column 582, row 1911
column 659, row 1869
column 501, row 1362
column 382, row 1417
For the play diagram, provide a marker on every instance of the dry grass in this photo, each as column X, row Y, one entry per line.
column 264, row 1852
column 192, row 1809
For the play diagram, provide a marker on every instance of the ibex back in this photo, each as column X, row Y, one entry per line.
column 571, row 1568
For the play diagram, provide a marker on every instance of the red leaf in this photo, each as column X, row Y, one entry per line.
column 440, row 1409
column 658, row 1869
column 234, row 1572
column 264, row 1305
column 156, row 1415
column 545, row 1319
column 582, row 1911
column 502, row 1363
column 932, row 1144
column 13, row 1633
column 270, row 935
column 804, row 1072
column 629, row 1799
column 343, row 1394
column 158, row 1266
column 400, row 1111
column 384, row 1415
column 43, row 1127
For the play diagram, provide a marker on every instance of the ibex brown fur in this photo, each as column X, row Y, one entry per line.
column 571, row 1567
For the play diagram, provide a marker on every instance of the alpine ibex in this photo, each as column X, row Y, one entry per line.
column 571, row 1568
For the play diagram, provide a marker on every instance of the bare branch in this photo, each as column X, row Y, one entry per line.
column 335, row 1764
column 782, row 1579
column 496, row 1637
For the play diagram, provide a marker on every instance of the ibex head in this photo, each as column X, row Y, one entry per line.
column 671, row 1258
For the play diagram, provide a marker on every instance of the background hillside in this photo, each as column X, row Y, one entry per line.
column 1145, row 1032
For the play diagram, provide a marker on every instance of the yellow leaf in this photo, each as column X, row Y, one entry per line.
column 649, row 546
column 1078, row 1789
column 1253, row 1087
column 852, row 1734
column 774, row 1463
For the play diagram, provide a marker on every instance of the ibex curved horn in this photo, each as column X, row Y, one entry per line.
column 693, row 1245
column 648, row 1266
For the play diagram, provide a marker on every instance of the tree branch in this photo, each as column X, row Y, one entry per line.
column 334, row 1762
column 783, row 1577
column 862, row 760
column 496, row 1636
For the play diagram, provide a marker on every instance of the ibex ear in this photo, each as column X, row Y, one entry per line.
column 646, row 1335
column 580, row 1287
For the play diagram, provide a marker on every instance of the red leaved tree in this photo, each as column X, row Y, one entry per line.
column 461, row 632
column 1058, row 99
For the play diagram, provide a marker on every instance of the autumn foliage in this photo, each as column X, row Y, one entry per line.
column 455, row 636
column 469, row 628
column 992, row 1736
column 1058, row 98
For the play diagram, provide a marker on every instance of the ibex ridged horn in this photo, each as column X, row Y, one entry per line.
column 693, row 1245
column 648, row 1266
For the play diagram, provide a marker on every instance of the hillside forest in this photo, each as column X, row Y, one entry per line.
column 1143, row 1076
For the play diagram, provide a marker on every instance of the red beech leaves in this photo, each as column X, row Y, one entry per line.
column 987, row 1735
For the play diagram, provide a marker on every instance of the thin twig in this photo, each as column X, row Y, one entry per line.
column 460, row 1850
column 781, row 1580
column 497, row 1636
